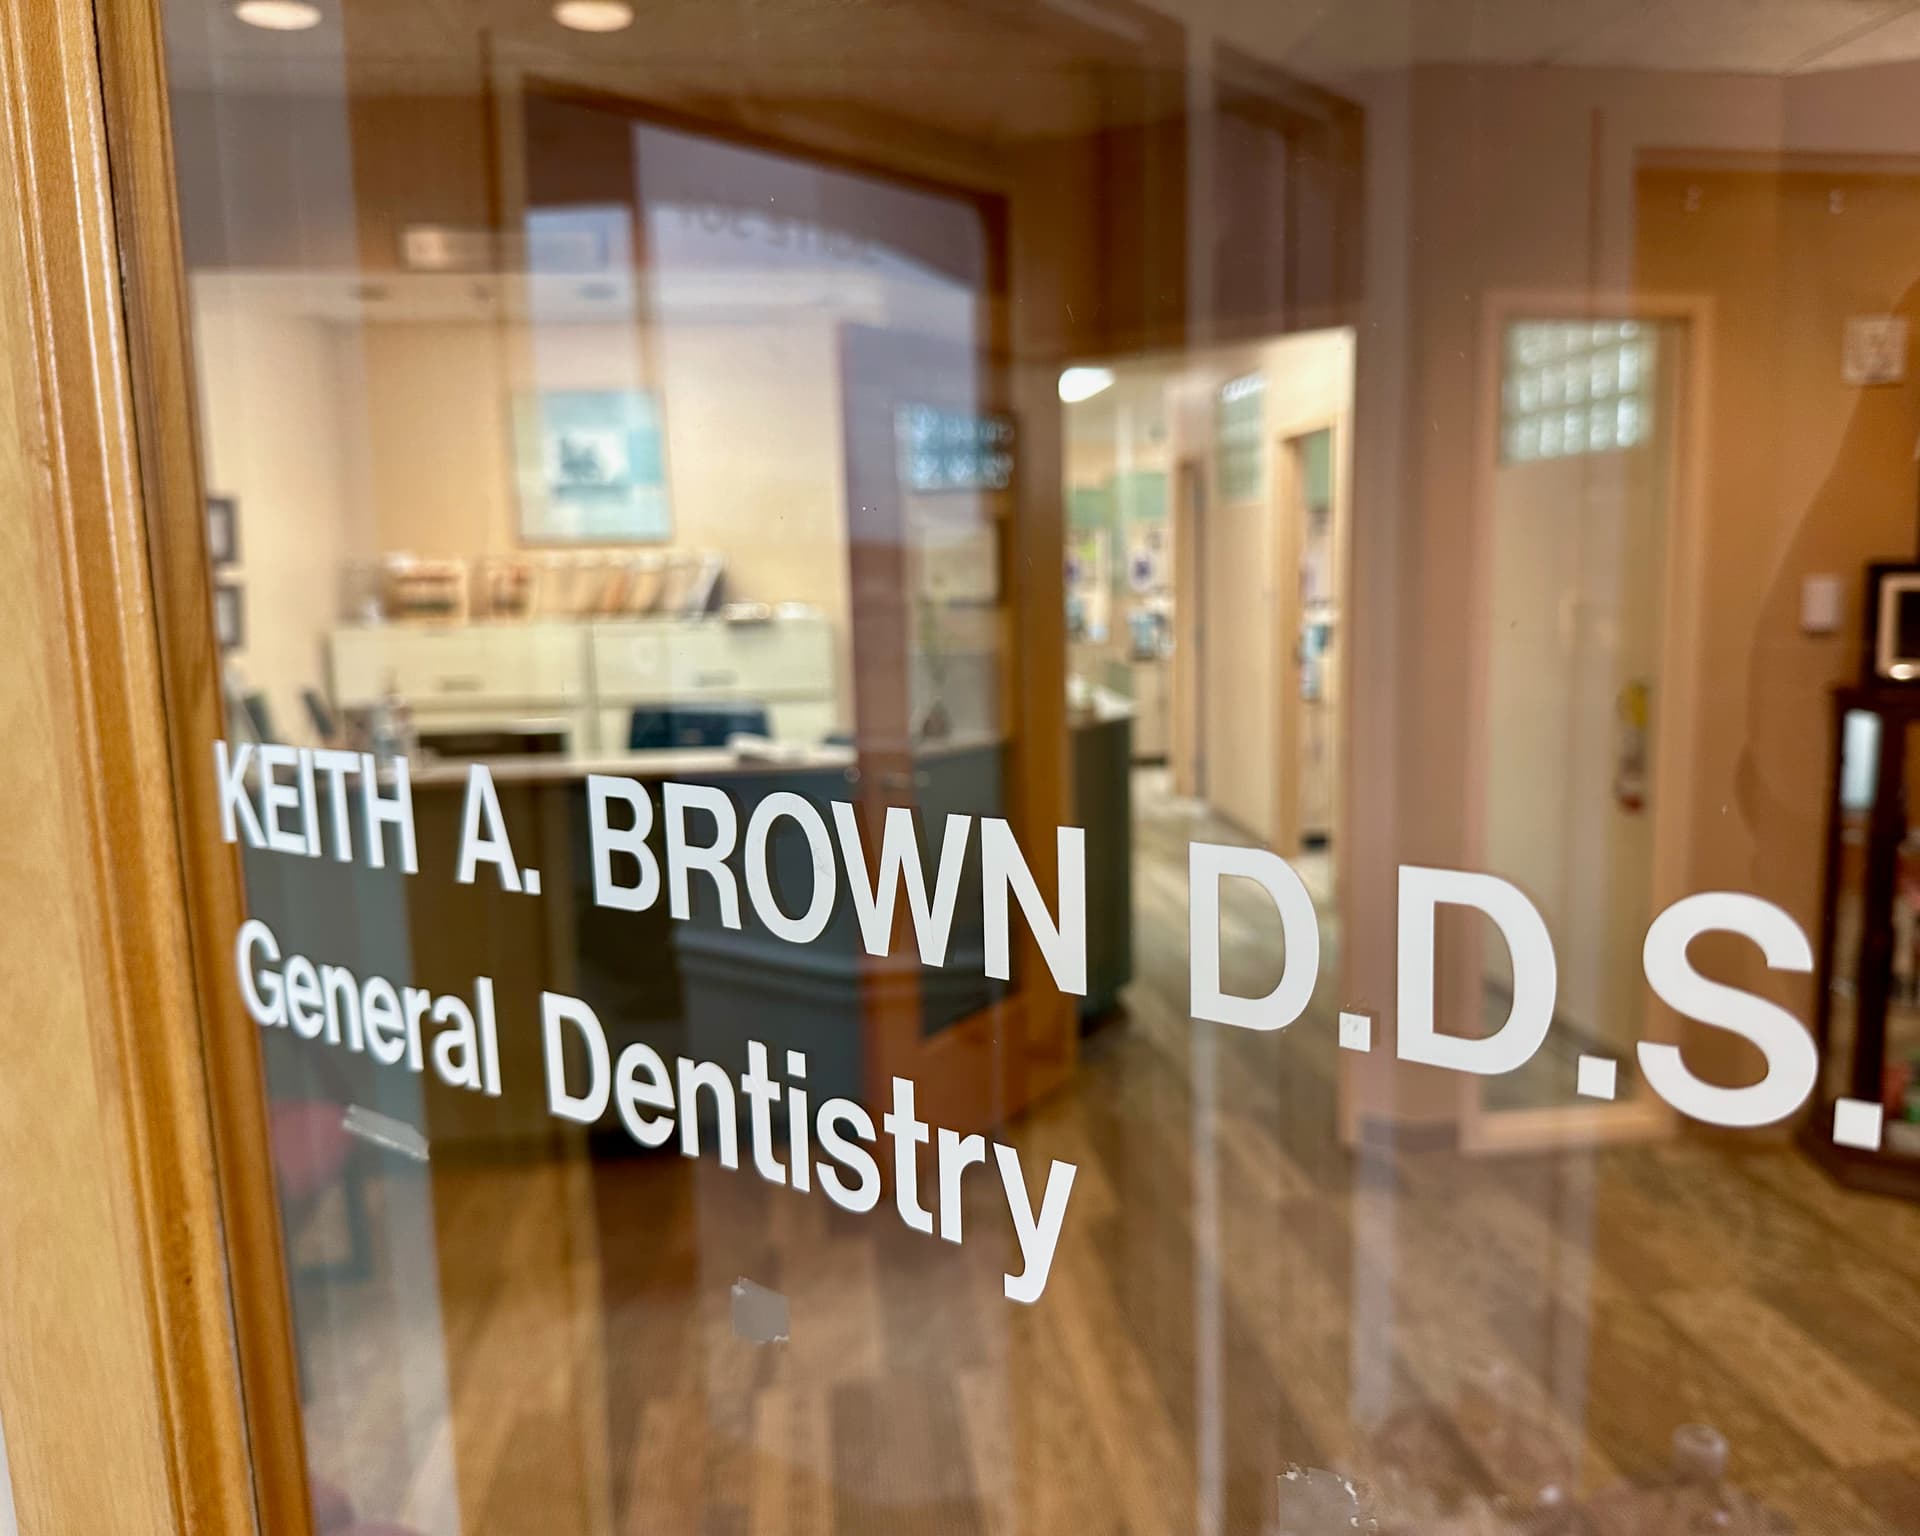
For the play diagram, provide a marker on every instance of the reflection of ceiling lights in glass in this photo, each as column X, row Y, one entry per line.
column 594, row 15
column 1077, row 384
column 278, row 15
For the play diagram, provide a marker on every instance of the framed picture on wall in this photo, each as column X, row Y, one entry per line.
column 1892, row 650
column 230, row 615
column 223, row 530
column 591, row 467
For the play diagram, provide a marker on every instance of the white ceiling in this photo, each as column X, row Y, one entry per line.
column 1023, row 65
column 1331, row 38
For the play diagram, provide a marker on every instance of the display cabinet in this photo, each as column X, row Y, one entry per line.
column 1867, row 1008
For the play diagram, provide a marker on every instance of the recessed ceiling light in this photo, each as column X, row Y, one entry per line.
column 1077, row 384
column 594, row 15
column 279, row 15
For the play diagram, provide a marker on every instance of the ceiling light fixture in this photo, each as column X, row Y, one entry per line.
column 594, row 15
column 1077, row 384
column 278, row 15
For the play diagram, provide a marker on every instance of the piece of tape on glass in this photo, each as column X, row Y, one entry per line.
column 384, row 1131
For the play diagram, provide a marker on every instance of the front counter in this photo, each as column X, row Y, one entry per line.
column 587, row 685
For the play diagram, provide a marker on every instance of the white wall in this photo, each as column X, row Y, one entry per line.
column 753, row 429
column 1250, row 586
column 354, row 438
column 273, row 428
column 1483, row 180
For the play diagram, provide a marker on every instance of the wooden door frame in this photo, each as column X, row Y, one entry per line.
column 983, row 1069
column 162, row 413
column 139, row 1191
column 1188, row 740
column 1288, row 547
column 1646, row 1116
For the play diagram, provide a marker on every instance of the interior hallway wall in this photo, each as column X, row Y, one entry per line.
column 1497, row 179
column 358, row 440
column 274, row 424
column 751, row 413
column 1809, row 476
column 1250, row 588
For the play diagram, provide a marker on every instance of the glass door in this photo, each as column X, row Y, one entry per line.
column 959, row 767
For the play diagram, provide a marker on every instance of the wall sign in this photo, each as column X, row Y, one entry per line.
column 270, row 794
column 1238, row 435
column 945, row 450
column 591, row 465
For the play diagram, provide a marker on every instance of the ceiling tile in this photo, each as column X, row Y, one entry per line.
column 1741, row 36
column 1895, row 39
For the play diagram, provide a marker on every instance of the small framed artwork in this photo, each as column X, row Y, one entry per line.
column 1892, row 648
column 591, row 467
column 230, row 615
column 223, row 530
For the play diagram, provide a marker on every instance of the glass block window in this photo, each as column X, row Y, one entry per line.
column 1571, row 387
column 1240, row 437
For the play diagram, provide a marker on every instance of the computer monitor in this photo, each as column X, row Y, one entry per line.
column 656, row 727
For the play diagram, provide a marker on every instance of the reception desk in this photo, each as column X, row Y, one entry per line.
column 572, row 687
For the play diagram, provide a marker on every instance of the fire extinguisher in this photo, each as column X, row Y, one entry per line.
column 1630, row 748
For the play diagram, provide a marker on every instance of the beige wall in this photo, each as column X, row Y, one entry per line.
column 366, row 438
column 1487, row 181
column 275, row 431
column 752, row 416
column 1250, row 587
column 1808, row 476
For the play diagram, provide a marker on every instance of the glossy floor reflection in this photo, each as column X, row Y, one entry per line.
column 1235, row 1295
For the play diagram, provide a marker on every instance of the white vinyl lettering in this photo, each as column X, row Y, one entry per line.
column 1038, row 1239
column 556, row 1010
column 395, row 810
column 1792, row 1062
column 684, row 857
column 1535, row 979
column 483, row 833
column 812, row 923
column 1062, row 945
column 1207, row 865
column 900, row 864
column 602, row 791
column 236, row 810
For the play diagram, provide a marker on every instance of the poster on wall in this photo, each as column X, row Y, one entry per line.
column 944, row 450
column 223, row 531
column 591, row 467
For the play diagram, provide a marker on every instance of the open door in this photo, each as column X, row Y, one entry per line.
column 959, row 710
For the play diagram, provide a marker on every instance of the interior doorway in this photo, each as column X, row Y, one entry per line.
column 1188, row 738
column 1314, row 529
column 1583, row 505
column 1208, row 498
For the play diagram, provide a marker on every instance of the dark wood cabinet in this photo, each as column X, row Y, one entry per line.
column 1867, row 1009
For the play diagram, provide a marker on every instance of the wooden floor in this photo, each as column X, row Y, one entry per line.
column 1235, row 1295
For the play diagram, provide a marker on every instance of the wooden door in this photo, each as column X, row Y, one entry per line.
column 127, row 1317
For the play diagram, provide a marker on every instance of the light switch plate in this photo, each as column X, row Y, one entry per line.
column 1822, row 604
column 1874, row 350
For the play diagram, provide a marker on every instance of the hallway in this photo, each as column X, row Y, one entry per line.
column 1235, row 1294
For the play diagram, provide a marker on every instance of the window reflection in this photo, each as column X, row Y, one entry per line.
column 1608, row 368
column 1386, row 437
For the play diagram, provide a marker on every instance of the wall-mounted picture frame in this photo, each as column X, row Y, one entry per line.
column 591, row 465
column 1892, row 611
column 948, row 450
column 230, row 615
column 223, row 531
